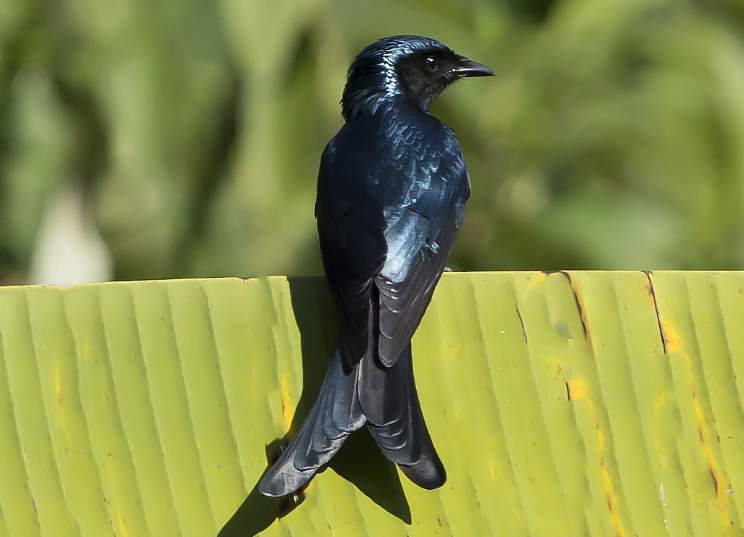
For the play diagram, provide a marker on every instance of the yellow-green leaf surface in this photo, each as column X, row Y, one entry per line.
column 562, row 404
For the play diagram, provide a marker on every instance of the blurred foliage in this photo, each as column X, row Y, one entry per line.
column 612, row 136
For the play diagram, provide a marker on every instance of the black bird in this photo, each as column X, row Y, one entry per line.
column 391, row 197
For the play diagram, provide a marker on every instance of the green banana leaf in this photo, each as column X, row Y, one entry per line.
column 562, row 404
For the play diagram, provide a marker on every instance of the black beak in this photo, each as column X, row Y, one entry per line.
column 466, row 67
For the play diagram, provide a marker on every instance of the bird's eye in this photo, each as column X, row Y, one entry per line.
column 432, row 63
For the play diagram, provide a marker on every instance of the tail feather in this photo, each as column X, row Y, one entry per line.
column 395, row 437
column 382, row 390
column 405, row 440
column 385, row 399
column 335, row 414
column 428, row 473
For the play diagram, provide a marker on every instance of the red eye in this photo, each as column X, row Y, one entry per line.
column 432, row 64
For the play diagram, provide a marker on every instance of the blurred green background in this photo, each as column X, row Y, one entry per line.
column 190, row 132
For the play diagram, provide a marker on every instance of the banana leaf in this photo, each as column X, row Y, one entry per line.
column 562, row 404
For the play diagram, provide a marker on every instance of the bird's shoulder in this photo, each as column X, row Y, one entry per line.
column 398, row 149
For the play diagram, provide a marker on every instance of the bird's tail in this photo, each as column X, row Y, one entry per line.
column 386, row 399
column 390, row 403
column 335, row 414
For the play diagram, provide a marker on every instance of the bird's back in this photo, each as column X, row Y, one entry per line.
column 389, row 159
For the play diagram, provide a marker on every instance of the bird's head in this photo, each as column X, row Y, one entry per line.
column 403, row 66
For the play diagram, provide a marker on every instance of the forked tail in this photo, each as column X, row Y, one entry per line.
column 384, row 398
